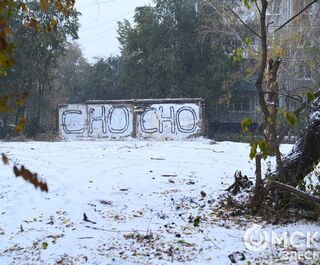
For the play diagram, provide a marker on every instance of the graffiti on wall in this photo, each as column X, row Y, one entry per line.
column 163, row 120
column 114, row 121
column 95, row 121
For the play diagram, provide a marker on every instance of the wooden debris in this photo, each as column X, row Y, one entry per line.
column 240, row 182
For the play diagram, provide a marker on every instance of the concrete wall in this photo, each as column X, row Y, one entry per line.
column 163, row 119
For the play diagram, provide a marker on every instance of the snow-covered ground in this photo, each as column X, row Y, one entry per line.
column 141, row 199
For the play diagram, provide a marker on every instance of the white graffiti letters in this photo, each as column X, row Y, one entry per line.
column 160, row 120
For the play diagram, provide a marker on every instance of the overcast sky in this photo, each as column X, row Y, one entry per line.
column 98, row 30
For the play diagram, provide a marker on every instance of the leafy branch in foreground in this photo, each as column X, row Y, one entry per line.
column 31, row 18
column 27, row 175
column 7, row 9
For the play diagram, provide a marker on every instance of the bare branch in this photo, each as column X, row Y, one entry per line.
column 295, row 97
column 270, row 23
column 221, row 10
column 263, row 63
column 296, row 15
column 244, row 23
column 296, row 112
column 258, row 8
column 301, row 194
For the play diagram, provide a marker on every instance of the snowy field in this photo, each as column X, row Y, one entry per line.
column 140, row 198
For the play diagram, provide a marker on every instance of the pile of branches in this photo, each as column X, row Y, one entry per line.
column 273, row 201
column 279, row 194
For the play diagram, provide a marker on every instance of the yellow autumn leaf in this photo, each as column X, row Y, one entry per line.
column 277, row 51
column 2, row 60
column 23, row 7
column 20, row 125
column 53, row 23
column 5, row 159
column 44, row 5
column 20, row 102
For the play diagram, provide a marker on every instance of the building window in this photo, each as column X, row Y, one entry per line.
column 240, row 103
column 273, row 13
column 310, row 10
column 274, row 8
column 306, row 18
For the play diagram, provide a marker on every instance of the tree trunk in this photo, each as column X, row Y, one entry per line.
column 304, row 156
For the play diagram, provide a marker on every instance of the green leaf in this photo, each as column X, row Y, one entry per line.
column 44, row 245
column 245, row 123
column 247, row 4
column 310, row 96
column 184, row 243
column 262, row 145
column 264, row 148
column 253, row 150
column 291, row 118
column 196, row 222
column 248, row 40
column 237, row 55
